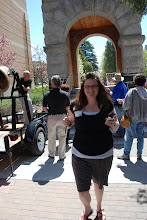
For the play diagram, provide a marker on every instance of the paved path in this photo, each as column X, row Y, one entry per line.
column 44, row 188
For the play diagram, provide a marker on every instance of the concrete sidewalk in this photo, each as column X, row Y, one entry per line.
column 44, row 188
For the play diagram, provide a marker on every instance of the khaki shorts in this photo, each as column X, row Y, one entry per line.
column 86, row 170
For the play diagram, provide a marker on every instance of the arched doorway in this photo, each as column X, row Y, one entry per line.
column 83, row 29
column 67, row 22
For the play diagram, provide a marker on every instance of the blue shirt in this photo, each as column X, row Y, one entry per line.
column 119, row 92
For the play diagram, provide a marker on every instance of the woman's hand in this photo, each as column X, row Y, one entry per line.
column 112, row 121
column 67, row 122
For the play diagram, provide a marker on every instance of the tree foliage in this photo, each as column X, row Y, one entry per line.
column 7, row 56
column 81, row 66
column 38, row 54
column 109, row 59
column 39, row 66
column 88, row 54
column 88, row 67
column 137, row 6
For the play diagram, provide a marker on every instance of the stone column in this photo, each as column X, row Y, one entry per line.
column 132, row 55
column 57, row 60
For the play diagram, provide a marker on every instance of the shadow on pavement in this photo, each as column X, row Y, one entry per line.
column 5, row 171
column 48, row 171
column 136, row 172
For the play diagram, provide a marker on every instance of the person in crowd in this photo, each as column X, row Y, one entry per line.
column 65, row 87
column 25, row 82
column 56, row 102
column 96, row 72
column 92, row 151
column 118, row 94
column 138, row 117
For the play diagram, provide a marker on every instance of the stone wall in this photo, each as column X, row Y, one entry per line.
column 15, row 26
column 59, row 16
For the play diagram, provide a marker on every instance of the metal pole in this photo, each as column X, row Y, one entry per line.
column 6, row 140
column 13, row 114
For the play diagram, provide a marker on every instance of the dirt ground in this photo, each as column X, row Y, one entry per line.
column 38, row 107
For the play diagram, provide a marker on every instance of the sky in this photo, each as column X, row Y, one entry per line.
column 36, row 29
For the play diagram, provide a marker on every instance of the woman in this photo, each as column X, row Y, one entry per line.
column 92, row 150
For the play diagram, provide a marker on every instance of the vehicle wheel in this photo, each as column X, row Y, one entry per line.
column 38, row 146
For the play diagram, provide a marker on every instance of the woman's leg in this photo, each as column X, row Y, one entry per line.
column 86, row 199
column 82, row 171
column 99, row 195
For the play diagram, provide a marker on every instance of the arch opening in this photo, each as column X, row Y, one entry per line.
column 83, row 29
column 99, row 43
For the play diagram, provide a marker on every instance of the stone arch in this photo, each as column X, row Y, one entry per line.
column 60, row 16
column 76, row 36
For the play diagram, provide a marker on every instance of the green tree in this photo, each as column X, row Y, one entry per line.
column 137, row 6
column 81, row 66
column 109, row 59
column 145, row 61
column 39, row 66
column 88, row 67
column 85, row 66
column 88, row 54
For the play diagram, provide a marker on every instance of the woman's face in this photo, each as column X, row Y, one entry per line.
column 91, row 88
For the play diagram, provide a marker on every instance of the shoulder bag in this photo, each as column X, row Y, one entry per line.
column 125, row 120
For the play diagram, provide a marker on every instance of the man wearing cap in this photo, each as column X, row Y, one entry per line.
column 56, row 102
column 118, row 94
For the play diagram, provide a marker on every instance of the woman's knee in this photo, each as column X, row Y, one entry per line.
column 84, row 193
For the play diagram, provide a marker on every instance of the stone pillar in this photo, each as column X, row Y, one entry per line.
column 132, row 55
column 57, row 60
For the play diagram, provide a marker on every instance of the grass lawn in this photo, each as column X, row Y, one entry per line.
column 36, row 95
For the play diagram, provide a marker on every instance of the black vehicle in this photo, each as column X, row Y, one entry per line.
column 12, row 130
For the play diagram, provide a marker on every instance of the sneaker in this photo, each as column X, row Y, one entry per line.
column 100, row 215
column 139, row 157
column 62, row 158
column 124, row 157
column 51, row 156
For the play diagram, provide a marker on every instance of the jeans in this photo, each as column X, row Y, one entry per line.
column 138, row 129
column 120, row 112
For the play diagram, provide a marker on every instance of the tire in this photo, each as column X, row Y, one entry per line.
column 37, row 148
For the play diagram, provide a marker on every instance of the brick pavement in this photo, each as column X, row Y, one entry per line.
column 22, row 199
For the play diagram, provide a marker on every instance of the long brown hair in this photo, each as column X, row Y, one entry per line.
column 103, row 98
